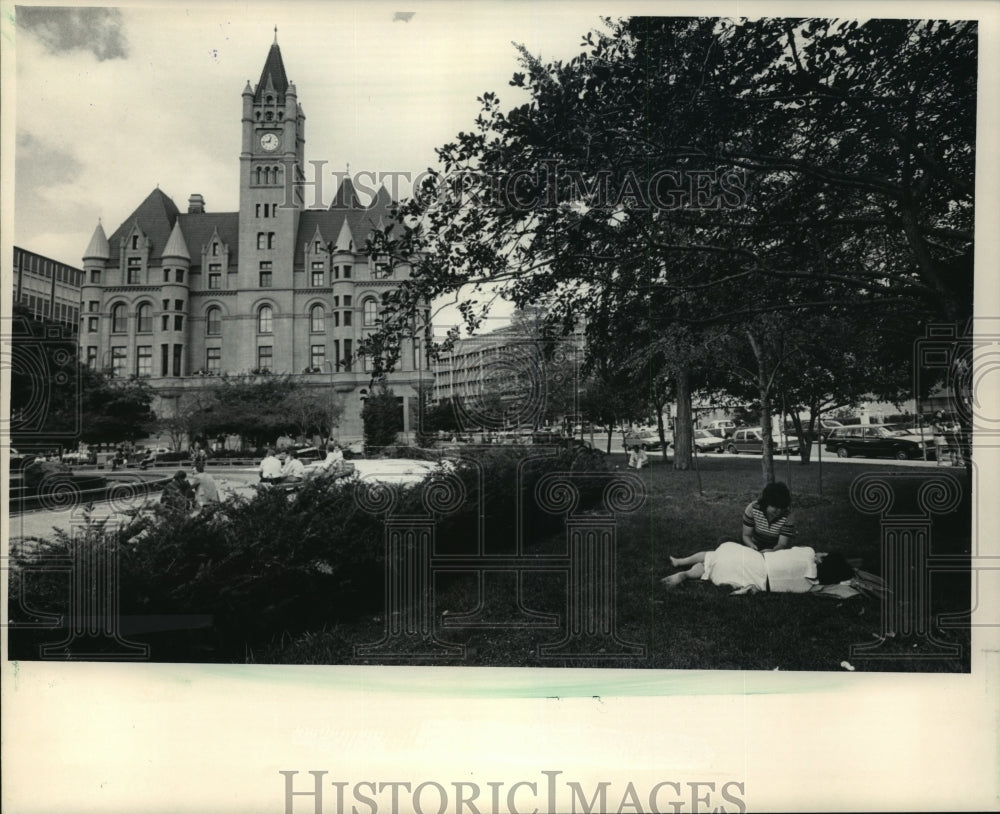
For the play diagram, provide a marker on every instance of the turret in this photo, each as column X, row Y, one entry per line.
column 174, row 311
column 95, row 262
column 247, row 145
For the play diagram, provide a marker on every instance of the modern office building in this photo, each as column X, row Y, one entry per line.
column 181, row 297
column 510, row 377
column 49, row 288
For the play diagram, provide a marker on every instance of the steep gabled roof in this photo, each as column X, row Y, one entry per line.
column 156, row 217
column 274, row 70
column 347, row 222
column 383, row 200
column 199, row 227
column 346, row 197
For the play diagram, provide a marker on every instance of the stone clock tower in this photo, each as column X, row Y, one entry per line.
column 272, row 152
column 271, row 158
column 278, row 287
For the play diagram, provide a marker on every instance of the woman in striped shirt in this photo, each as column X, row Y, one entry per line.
column 767, row 524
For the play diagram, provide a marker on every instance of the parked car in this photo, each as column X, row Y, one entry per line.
column 825, row 427
column 876, row 441
column 706, row 441
column 751, row 439
column 647, row 436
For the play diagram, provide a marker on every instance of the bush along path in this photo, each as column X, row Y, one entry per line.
column 239, row 575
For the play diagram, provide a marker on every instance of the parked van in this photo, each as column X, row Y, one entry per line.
column 726, row 426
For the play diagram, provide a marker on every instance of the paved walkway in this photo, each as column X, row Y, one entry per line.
column 231, row 481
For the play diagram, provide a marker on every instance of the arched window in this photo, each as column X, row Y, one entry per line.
column 144, row 318
column 317, row 319
column 119, row 319
column 371, row 312
column 260, row 170
column 277, row 175
column 265, row 317
column 213, row 321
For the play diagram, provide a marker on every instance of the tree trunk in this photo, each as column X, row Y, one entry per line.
column 764, row 386
column 804, row 436
column 661, row 430
column 682, row 423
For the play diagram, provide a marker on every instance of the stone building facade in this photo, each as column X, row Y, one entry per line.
column 181, row 298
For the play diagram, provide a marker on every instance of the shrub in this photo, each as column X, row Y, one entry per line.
column 409, row 453
column 281, row 562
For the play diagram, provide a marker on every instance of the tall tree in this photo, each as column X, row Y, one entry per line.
column 54, row 399
column 250, row 406
column 713, row 172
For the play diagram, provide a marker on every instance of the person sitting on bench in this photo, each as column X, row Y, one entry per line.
column 270, row 467
column 293, row 470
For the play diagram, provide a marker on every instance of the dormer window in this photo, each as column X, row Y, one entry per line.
column 133, row 270
column 135, row 241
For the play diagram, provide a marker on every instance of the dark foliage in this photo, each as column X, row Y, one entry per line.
column 281, row 562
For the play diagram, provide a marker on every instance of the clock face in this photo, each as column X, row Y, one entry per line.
column 269, row 141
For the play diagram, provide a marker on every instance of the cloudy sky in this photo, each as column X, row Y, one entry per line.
column 113, row 102
column 109, row 103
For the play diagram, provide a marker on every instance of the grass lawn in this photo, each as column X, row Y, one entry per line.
column 698, row 625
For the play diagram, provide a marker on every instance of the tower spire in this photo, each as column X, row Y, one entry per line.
column 273, row 72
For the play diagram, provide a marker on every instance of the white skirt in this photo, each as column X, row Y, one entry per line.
column 791, row 570
column 736, row 565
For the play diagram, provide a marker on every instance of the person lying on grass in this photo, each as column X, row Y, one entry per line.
column 767, row 524
column 794, row 570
